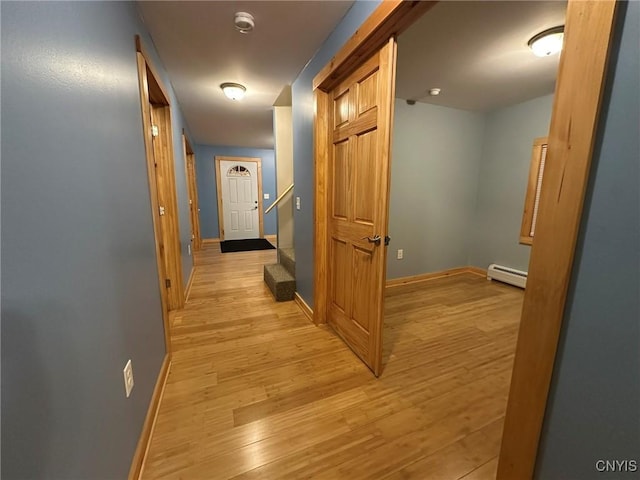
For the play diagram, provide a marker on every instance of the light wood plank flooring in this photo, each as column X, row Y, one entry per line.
column 257, row 392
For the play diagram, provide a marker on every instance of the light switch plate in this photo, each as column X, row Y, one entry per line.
column 266, row 196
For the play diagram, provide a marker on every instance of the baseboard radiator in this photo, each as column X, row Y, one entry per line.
column 507, row 275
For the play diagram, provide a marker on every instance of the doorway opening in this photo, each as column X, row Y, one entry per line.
column 574, row 117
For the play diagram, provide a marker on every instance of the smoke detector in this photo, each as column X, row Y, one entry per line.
column 244, row 22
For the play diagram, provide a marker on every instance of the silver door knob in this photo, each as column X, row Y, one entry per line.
column 375, row 239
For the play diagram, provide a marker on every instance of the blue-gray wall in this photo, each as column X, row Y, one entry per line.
column 207, row 189
column 302, row 116
column 434, row 183
column 458, row 182
column 593, row 411
column 80, row 292
column 504, row 173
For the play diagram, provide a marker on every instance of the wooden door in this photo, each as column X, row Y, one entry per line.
column 193, row 203
column 360, row 111
column 167, row 204
column 192, row 187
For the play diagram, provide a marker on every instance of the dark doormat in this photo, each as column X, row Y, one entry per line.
column 245, row 245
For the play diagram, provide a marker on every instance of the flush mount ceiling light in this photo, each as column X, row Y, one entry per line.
column 233, row 91
column 548, row 42
column 434, row 92
column 244, row 22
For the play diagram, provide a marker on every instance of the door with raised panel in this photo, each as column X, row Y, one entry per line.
column 361, row 112
column 240, row 202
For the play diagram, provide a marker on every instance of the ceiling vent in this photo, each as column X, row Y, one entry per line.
column 244, row 22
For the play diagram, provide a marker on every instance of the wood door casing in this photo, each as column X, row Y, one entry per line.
column 361, row 110
column 156, row 109
column 192, row 187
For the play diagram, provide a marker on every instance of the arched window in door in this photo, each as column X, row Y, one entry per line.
column 238, row 171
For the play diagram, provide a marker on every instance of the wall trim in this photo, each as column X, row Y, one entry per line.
column 423, row 277
column 140, row 455
column 477, row 270
column 209, row 241
column 388, row 20
column 306, row 309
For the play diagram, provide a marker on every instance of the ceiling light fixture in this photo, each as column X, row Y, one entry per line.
column 244, row 22
column 548, row 42
column 434, row 92
column 233, row 91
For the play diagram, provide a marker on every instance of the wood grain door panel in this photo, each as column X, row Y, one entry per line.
column 361, row 110
column 365, row 178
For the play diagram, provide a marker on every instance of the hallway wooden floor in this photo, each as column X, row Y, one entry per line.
column 255, row 391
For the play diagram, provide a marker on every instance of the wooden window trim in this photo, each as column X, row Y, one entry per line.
column 533, row 186
column 588, row 31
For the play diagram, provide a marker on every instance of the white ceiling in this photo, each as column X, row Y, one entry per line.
column 477, row 53
column 201, row 49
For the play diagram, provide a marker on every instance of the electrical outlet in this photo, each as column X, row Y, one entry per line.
column 297, row 203
column 400, row 254
column 128, row 378
column 266, row 196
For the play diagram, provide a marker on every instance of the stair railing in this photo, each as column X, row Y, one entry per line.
column 282, row 195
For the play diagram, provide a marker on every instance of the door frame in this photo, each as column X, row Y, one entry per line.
column 579, row 87
column 153, row 92
column 192, row 189
column 256, row 160
column 389, row 19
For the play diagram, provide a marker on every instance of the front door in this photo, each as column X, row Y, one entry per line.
column 360, row 113
column 240, row 200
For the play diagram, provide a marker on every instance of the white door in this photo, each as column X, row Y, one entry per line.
column 239, row 185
